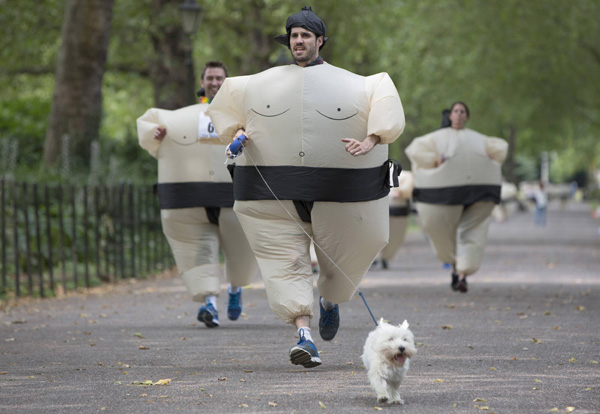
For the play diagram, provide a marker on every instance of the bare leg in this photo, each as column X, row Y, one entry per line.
column 302, row 322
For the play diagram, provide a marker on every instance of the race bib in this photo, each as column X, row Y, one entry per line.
column 206, row 129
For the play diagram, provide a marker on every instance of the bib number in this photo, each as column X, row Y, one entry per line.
column 206, row 129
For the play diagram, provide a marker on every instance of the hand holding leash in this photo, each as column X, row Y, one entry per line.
column 236, row 148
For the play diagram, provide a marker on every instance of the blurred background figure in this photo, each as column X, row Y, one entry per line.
column 508, row 202
column 541, row 204
column 195, row 192
column 457, row 183
column 399, row 214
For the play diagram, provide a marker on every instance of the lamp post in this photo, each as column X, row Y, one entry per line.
column 190, row 13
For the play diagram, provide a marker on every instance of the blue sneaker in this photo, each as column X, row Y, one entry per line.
column 209, row 315
column 305, row 353
column 234, row 306
column 329, row 322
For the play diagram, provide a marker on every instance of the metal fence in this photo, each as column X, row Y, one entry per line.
column 64, row 237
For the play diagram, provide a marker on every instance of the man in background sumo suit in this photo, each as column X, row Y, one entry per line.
column 457, row 174
column 312, row 131
column 196, row 199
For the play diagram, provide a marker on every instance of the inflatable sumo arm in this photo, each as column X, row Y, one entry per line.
column 182, row 155
column 386, row 115
column 496, row 149
column 231, row 95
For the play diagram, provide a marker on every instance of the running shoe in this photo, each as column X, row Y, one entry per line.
column 329, row 322
column 209, row 315
column 234, row 306
column 305, row 353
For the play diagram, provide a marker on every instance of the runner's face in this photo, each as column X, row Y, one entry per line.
column 304, row 45
column 458, row 116
column 212, row 81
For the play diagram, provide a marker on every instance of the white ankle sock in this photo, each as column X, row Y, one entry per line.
column 306, row 333
column 212, row 299
column 327, row 305
column 233, row 289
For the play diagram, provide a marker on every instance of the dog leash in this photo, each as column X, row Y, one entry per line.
column 233, row 152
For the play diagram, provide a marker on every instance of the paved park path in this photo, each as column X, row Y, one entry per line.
column 524, row 339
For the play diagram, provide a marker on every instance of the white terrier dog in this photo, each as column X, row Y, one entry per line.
column 386, row 357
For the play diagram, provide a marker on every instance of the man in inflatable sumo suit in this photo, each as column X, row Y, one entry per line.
column 457, row 183
column 196, row 199
column 399, row 211
column 312, row 131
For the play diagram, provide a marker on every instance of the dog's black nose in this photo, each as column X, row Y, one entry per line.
column 401, row 349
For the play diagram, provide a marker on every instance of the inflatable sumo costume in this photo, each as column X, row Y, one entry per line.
column 399, row 211
column 296, row 117
column 196, row 199
column 508, row 202
column 455, row 200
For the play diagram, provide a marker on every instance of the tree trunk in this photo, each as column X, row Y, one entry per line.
column 168, row 70
column 260, row 43
column 77, row 100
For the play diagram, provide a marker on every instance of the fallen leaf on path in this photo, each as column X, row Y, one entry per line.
column 537, row 380
column 448, row 327
column 580, row 308
column 572, row 360
column 243, row 405
column 554, row 410
column 272, row 403
column 223, row 379
column 438, row 380
column 322, row 405
column 142, row 383
column 377, row 408
column 165, row 381
column 570, row 409
column 248, row 370
column 537, row 341
column 592, row 362
column 139, row 335
column 143, row 347
column 492, row 368
column 479, row 400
